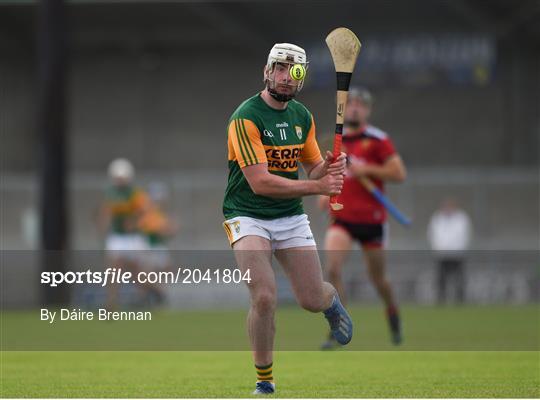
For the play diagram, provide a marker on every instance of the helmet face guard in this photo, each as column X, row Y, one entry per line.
column 285, row 55
column 271, row 84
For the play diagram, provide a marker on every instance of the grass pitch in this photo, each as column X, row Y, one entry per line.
column 297, row 374
column 414, row 371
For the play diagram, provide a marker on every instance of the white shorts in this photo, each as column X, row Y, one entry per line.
column 129, row 246
column 283, row 233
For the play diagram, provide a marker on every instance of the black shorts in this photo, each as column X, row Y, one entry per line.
column 369, row 235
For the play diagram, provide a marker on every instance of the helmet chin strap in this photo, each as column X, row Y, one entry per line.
column 282, row 98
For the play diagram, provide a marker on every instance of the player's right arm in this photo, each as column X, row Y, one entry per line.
column 266, row 184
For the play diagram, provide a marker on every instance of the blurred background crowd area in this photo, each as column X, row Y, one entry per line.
column 456, row 85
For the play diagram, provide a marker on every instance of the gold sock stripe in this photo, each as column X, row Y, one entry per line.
column 265, row 371
column 265, row 368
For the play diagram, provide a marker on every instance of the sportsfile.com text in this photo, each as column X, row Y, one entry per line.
column 118, row 275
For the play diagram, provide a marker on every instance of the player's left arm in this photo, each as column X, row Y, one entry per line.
column 315, row 166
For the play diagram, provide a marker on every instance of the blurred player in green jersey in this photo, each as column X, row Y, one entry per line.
column 123, row 206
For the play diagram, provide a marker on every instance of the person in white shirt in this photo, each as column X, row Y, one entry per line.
column 449, row 235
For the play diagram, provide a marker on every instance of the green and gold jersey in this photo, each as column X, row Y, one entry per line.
column 124, row 204
column 259, row 134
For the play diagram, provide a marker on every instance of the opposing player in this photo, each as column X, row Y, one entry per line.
column 371, row 154
column 269, row 136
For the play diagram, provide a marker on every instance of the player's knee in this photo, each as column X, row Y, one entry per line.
column 264, row 301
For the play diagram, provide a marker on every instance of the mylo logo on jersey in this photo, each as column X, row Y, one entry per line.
column 283, row 158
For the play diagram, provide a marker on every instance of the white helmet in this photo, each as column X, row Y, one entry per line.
column 121, row 169
column 285, row 53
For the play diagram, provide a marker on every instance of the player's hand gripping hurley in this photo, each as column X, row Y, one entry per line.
column 344, row 47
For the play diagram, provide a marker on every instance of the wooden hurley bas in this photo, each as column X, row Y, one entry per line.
column 344, row 47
